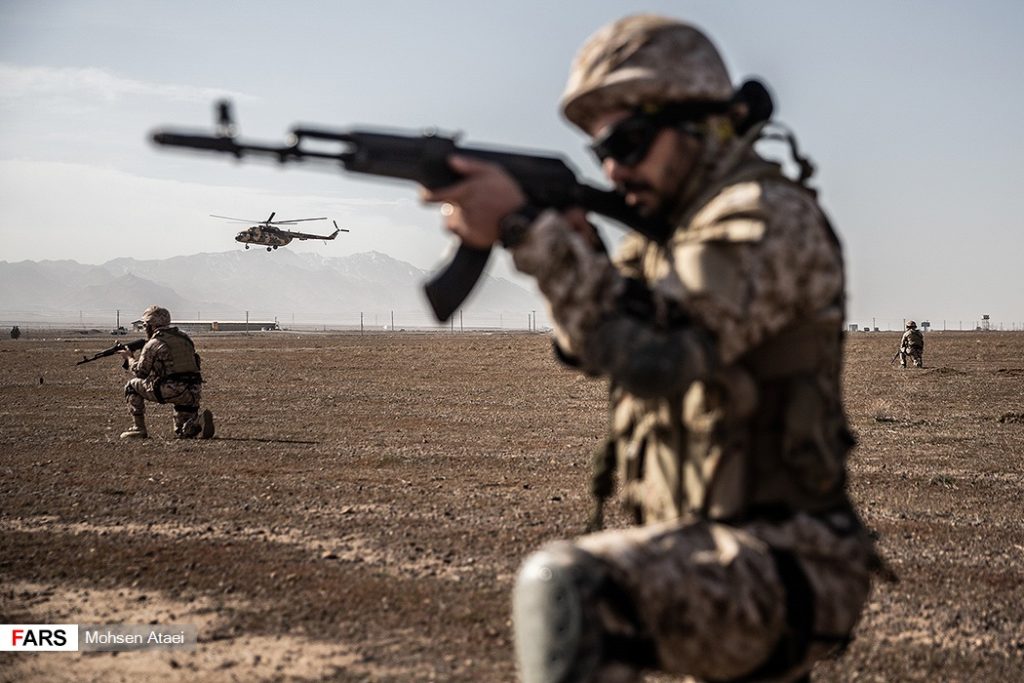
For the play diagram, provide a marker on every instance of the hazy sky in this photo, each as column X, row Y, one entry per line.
column 912, row 111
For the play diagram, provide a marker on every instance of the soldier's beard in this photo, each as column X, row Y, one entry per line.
column 664, row 198
column 641, row 196
column 658, row 203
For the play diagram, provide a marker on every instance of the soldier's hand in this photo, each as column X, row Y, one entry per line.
column 474, row 206
column 127, row 355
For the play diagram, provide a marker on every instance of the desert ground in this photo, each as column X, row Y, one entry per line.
column 363, row 508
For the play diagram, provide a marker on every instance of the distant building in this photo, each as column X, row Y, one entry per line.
column 190, row 326
column 852, row 327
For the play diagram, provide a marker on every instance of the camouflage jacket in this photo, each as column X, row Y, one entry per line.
column 722, row 346
column 168, row 355
column 912, row 339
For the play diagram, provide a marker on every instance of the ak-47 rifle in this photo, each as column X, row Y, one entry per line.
column 897, row 354
column 132, row 346
column 547, row 180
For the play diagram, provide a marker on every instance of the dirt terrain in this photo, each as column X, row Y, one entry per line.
column 364, row 506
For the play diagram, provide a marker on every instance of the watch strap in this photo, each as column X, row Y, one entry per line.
column 516, row 225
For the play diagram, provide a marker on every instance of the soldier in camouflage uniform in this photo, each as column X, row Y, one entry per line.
column 912, row 346
column 722, row 343
column 167, row 371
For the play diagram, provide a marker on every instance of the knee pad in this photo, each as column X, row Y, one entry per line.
column 129, row 390
column 557, row 634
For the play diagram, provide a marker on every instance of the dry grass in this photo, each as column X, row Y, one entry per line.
column 366, row 503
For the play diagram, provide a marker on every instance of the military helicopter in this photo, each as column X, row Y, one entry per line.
column 267, row 233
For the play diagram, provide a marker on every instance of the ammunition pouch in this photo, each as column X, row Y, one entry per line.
column 798, row 437
column 186, row 378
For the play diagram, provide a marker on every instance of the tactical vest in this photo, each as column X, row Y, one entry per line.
column 182, row 361
column 764, row 437
column 913, row 339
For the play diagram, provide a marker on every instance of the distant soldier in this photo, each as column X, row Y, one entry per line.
column 167, row 371
column 15, row 332
column 912, row 345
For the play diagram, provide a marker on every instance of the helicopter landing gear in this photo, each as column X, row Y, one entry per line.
column 268, row 248
column 275, row 247
column 247, row 246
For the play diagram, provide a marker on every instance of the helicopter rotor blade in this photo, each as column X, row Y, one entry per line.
column 339, row 229
column 229, row 218
column 299, row 220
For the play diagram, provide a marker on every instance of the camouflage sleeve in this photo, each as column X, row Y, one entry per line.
column 755, row 260
column 144, row 365
column 639, row 347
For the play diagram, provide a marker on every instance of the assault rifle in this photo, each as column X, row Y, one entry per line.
column 547, row 181
column 897, row 354
column 132, row 346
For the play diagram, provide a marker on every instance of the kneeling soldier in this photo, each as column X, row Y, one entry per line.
column 167, row 371
column 912, row 346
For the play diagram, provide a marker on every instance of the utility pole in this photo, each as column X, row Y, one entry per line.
column 461, row 328
column 360, row 322
column 247, row 322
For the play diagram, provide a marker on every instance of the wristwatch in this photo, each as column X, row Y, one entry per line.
column 515, row 225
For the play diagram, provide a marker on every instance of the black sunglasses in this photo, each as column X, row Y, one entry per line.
column 629, row 140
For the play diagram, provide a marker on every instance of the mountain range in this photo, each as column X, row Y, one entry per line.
column 284, row 285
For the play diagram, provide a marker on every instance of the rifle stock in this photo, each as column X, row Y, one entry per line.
column 548, row 181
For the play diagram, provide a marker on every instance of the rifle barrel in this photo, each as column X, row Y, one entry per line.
column 545, row 178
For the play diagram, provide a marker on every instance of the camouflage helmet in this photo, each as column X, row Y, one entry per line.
column 911, row 324
column 643, row 59
column 156, row 316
